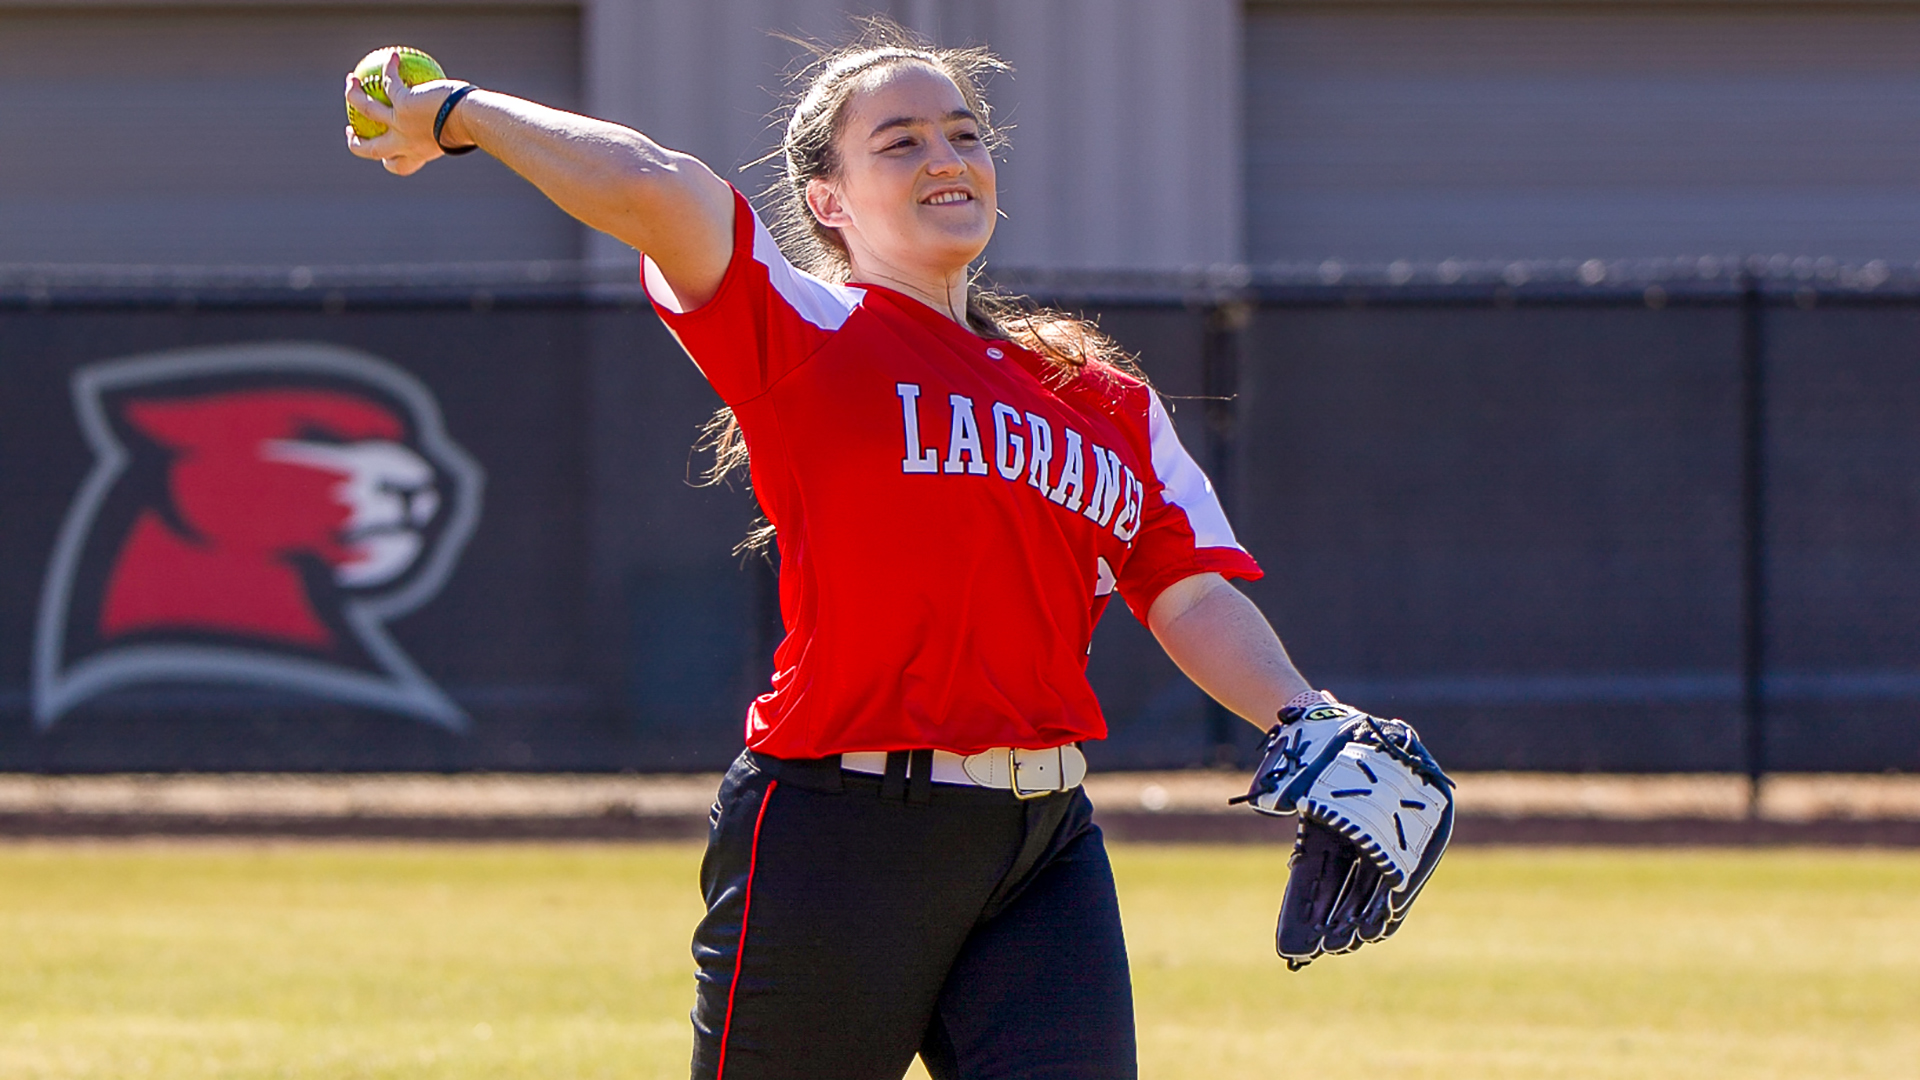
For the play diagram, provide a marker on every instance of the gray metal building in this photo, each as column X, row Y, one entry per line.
column 1148, row 134
column 1384, row 130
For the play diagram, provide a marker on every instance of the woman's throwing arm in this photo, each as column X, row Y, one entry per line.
column 667, row 204
column 1222, row 642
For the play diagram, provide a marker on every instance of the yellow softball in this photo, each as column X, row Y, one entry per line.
column 416, row 67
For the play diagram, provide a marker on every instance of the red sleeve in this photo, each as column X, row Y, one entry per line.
column 1183, row 531
column 766, row 320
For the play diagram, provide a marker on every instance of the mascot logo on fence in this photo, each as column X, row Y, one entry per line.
column 256, row 514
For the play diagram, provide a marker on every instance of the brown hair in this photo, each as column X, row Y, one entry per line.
column 809, row 151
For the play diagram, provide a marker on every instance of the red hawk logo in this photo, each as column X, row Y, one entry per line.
column 255, row 514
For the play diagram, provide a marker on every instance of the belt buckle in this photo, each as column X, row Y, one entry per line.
column 1013, row 775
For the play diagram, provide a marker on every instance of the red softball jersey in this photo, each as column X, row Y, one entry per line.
column 953, row 513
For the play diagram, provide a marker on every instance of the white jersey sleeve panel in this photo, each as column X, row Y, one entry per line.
column 1186, row 485
column 657, row 287
column 821, row 303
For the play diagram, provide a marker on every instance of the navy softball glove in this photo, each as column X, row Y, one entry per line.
column 1376, row 813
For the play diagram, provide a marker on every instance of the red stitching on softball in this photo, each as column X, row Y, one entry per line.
column 746, row 912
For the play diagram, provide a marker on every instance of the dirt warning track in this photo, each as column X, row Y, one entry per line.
column 1166, row 807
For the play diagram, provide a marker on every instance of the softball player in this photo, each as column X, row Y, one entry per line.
column 902, row 860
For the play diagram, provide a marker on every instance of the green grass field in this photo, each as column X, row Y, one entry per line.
column 201, row 961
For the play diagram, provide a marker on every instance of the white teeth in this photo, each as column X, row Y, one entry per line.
column 949, row 197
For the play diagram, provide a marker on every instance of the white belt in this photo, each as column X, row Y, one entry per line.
column 1027, row 773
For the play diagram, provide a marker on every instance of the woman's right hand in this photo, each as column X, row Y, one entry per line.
column 408, row 142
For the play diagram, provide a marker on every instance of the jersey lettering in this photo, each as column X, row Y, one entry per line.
column 1115, row 488
column 1006, row 416
column 1073, row 472
column 917, row 460
column 1106, row 484
column 1127, row 525
column 965, row 438
column 1041, row 433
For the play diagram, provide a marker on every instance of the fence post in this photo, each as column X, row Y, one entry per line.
column 1753, row 491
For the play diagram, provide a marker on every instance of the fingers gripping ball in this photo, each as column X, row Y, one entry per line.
column 416, row 67
column 1376, row 813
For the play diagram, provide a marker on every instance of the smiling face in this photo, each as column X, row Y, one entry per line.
column 913, row 193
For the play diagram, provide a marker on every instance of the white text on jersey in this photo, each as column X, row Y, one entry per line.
column 1023, row 445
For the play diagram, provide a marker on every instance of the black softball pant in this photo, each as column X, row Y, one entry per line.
column 853, row 921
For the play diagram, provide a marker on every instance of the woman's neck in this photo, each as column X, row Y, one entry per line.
column 947, row 295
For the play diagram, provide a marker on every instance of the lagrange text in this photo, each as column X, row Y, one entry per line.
column 1023, row 448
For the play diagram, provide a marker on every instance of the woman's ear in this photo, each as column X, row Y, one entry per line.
column 825, row 203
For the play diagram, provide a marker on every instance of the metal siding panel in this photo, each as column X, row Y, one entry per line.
column 172, row 151
column 703, row 78
column 1125, row 140
column 1478, row 132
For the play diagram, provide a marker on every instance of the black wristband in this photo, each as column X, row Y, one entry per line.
column 446, row 110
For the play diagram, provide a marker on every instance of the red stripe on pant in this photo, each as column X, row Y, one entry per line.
column 746, row 912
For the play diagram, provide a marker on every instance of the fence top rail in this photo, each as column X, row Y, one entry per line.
column 1653, row 281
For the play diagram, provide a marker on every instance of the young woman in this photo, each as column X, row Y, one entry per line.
column 902, row 860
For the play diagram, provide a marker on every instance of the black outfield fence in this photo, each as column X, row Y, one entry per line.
column 1587, row 516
